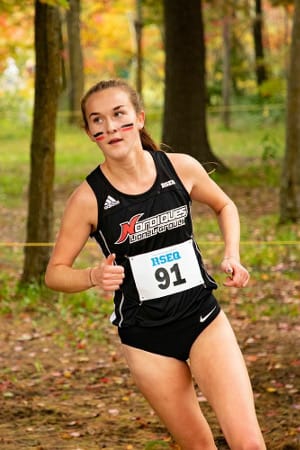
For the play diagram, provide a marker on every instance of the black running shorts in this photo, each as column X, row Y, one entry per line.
column 174, row 339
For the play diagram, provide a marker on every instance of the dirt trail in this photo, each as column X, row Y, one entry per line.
column 60, row 394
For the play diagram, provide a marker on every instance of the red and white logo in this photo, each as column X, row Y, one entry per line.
column 137, row 230
column 128, row 228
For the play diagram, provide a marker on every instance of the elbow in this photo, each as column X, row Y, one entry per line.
column 46, row 280
column 49, row 279
column 228, row 206
column 55, row 278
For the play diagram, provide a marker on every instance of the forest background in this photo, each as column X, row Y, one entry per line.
column 59, row 350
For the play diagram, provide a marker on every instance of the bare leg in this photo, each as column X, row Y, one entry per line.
column 168, row 386
column 220, row 371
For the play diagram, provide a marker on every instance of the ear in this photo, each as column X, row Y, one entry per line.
column 141, row 120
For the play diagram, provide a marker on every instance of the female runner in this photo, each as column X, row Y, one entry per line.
column 136, row 205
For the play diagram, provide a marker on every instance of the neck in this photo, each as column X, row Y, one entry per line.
column 133, row 175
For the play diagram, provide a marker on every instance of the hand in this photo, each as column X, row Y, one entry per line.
column 237, row 275
column 108, row 276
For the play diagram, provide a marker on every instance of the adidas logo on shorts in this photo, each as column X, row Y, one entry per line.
column 110, row 202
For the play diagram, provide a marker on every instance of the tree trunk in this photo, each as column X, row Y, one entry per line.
column 290, row 178
column 76, row 78
column 47, row 88
column 184, row 122
column 260, row 68
column 226, row 82
column 138, row 25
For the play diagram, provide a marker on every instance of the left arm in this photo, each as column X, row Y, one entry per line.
column 204, row 190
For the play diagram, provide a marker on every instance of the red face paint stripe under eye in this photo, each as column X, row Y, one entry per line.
column 127, row 127
column 99, row 136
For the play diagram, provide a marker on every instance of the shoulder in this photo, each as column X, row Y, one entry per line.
column 82, row 203
column 189, row 170
column 197, row 181
column 82, row 195
column 183, row 159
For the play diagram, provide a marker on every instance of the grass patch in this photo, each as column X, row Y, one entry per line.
column 78, row 314
column 249, row 137
column 156, row 445
column 255, row 173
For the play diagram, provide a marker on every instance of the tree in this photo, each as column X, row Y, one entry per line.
column 290, row 178
column 76, row 72
column 226, row 81
column 184, row 121
column 138, row 24
column 47, row 89
column 260, row 68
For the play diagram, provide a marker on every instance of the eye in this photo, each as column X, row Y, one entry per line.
column 119, row 113
column 97, row 120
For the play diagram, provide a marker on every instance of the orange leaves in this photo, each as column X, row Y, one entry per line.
column 251, row 358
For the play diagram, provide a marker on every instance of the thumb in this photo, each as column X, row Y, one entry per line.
column 110, row 260
column 229, row 272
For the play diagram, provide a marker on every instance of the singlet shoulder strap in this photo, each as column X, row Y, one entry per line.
column 93, row 179
column 96, row 182
column 166, row 165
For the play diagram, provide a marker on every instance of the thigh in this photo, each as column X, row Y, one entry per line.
column 220, row 371
column 168, row 386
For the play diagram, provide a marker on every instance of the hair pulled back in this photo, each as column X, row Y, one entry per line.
column 147, row 141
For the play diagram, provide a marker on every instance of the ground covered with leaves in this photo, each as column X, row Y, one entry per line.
column 65, row 385
column 60, row 391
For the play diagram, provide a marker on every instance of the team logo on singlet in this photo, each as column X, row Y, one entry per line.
column 167, row 184
column 137, row 230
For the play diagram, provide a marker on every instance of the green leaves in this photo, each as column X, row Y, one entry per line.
column 61, row 3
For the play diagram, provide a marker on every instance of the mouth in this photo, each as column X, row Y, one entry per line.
column 115, row 141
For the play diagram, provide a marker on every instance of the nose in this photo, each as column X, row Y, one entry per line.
column 110, row 126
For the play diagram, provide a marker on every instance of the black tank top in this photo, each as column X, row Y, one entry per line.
column 144, row 231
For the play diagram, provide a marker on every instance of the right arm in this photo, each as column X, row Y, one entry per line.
column 79, row 218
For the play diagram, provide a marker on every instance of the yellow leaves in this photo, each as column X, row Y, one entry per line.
column 67, row 374
column 16, row 37
column 109, row 40
column 265, row 277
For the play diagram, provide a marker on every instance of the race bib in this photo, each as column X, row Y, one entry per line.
column 166, row 271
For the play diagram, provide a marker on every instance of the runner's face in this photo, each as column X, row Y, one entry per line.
column 112, row 119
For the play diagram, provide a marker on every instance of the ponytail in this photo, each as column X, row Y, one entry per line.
column 147, row 141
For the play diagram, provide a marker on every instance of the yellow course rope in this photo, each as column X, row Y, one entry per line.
column 51, row 244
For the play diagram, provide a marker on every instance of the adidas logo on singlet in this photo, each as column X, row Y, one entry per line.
column 110, row 202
